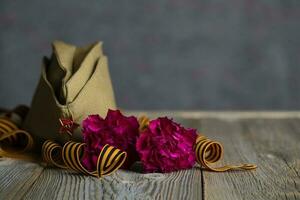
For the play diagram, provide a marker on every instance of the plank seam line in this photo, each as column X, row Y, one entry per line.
column 291, row 168
column 202, row 184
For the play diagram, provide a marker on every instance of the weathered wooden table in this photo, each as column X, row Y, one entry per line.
column 269, row 139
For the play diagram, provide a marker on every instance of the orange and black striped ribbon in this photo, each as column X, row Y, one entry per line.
column 209, row 152
column 68, row 156
column 13, row 141
column 143, row 122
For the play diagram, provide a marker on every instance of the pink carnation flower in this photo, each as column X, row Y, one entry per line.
column 165, row 146
column 116, row 130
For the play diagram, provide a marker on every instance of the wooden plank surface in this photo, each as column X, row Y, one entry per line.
column 270, row 141
column 273, row 144
column 61, row 184
column 17, row 177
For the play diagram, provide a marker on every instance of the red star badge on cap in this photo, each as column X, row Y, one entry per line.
column 67, row 126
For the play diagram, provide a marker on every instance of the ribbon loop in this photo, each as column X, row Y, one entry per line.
column 209, row 152
column 110, row 158
column 51, row 153
column 13, row 141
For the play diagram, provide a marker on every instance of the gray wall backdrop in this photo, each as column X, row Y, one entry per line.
column 164, row 54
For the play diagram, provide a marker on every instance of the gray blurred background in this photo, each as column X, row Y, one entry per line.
column 164, row 54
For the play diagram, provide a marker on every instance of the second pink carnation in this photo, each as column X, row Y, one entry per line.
column 165, row 146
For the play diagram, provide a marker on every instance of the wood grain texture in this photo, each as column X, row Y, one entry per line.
column 273, row 144
column 61, row 184
column 17, row 177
